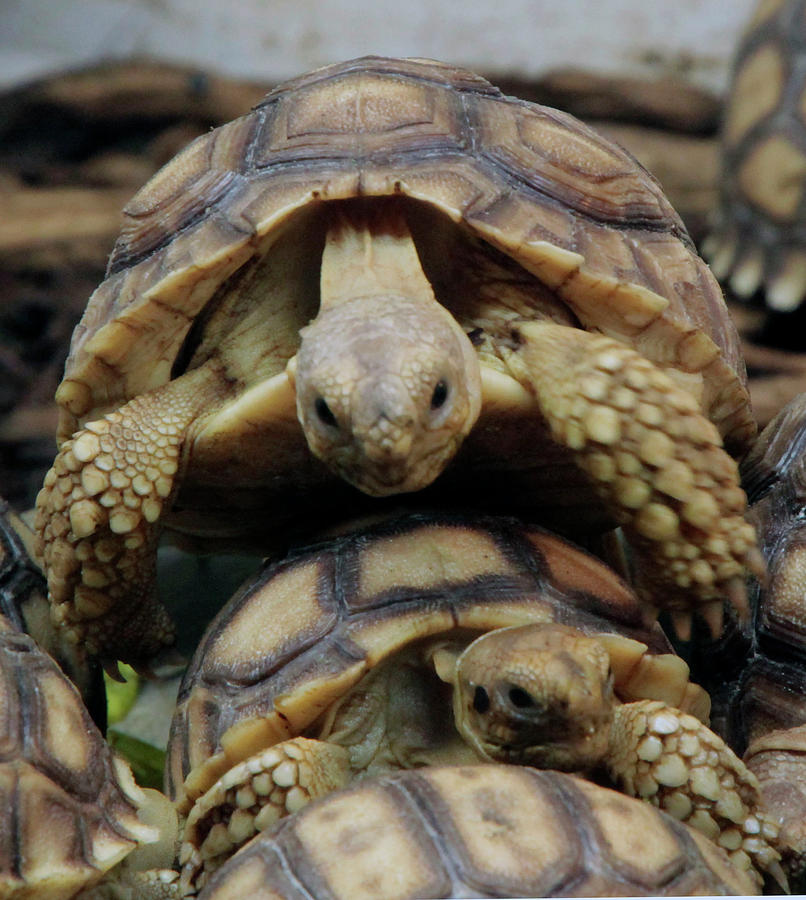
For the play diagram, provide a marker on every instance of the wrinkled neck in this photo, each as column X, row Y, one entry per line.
column 369, row 251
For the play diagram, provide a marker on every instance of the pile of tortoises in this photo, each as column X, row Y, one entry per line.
column 387, row 279
column 342, row 662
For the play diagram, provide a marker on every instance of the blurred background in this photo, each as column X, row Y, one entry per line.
column 269, row 40
column 95, row 95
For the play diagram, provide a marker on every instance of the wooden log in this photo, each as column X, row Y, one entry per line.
column 33, row 217
column 136, row 89
column 668, row 103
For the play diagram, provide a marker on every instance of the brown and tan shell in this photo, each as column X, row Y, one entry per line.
column 24, row 604
column 70, row 806
column 22, row 584
column 758, row 240
column 305, row 631
column 477, row 831
column 766, row 713
column 554, row 197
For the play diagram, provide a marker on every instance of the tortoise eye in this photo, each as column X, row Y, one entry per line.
column 481, row 700
column 325, row 413
column 440, row 394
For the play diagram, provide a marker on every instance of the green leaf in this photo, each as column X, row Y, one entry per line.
column 120, row 695
column 146, row 760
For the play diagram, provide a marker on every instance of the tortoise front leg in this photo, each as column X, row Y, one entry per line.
column 778, row 760
column 253, row 795
column 99, row 515
column 676, row 763
column 653, row 457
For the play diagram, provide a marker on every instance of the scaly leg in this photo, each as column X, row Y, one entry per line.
column 778, row 760
column 99, row 517
column 676, row 763
column 655, row 460
column 253, row 795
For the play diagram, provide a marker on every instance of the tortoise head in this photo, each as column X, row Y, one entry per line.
column 387, row 382
column 539, row 695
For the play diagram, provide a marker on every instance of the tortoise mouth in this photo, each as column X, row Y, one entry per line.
column 387, row 478
column 572, row 755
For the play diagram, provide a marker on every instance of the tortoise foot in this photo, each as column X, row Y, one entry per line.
column 99, row 517
column 653, row 457
column 253, row 795
column 675, row 762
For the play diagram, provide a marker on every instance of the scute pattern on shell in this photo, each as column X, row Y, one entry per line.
column 310, row 627
column 572, row 208
column 773, row 681
column 70, row 807
column 481, row 831
column 758, row 238
column 19, row 577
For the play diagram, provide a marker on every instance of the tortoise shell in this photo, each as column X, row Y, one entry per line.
column 22, row 584
column 477, row 831
column 309, row 628
column 774, row 674
column 71, row 806
column 758, row 240
column 558, row 201
column 756, row 672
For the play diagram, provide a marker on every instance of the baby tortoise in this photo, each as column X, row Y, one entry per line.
column 441, row 639
column 385, row 261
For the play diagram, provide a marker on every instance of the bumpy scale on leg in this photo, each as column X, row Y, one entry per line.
column 252, row 796
column 98, row 521
column 778, row 760
column 655, row 460
column 672, row 760
column 156, row 884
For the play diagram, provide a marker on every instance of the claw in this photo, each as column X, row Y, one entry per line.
column 714, row 615
column 756, row 564
column 681, row 622
column 736, row 592
column 776, row 870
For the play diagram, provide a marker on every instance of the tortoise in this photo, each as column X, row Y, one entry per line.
column 73, row 815
column 311, row 307
column 440, row 638
column 477, row 831
column 761, row 668
column 757, row 241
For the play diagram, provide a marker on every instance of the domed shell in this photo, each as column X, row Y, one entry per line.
column 773, row 689
column 477, row 831
column 559, row 200
column 756, row 673
column 70, row 807
column 758, row 241
column 308, row 628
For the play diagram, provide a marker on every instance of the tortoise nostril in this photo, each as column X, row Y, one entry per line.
column 325, row 413
column 481, row 700
column 520, row 698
